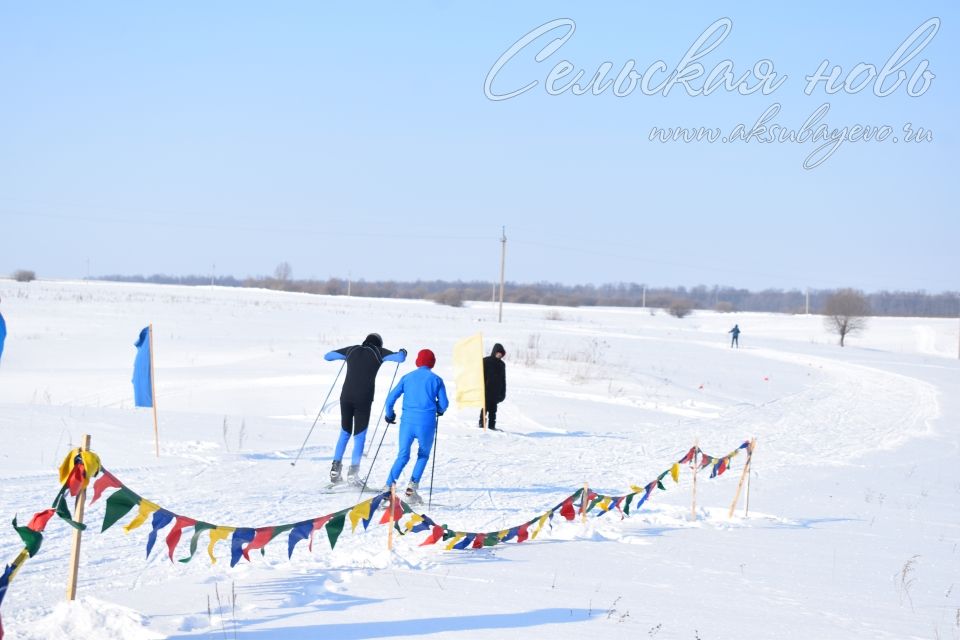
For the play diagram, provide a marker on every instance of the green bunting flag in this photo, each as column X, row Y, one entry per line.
column 119, row 504
column 335, row 527
column 31, row 539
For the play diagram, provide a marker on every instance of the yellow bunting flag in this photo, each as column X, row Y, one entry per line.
column 358, row 513
column 675, row 472
column 146, row 508
column 91, row 465
column 604, row 504
column 540, row 523
column 67, row 465
column 414, row 520
column 216, row 535
column 456, row 538
column 468, row 372
column 17, row 563
column 636, row 489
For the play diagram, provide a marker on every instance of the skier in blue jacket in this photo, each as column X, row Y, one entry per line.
column 424, row 400
column 356, row 397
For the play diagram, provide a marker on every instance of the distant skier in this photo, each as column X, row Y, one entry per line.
column 356, row 397
column 424, row 401
column 494, row 384
column 735, row 339
column 3, row 333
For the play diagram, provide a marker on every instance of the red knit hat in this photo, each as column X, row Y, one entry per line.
column 426, row 358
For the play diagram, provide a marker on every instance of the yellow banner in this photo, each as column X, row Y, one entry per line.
column 468, row 372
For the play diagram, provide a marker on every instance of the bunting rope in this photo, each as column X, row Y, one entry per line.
column 80, row 466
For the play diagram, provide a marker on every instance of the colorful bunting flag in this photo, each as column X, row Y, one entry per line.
column 161, row 518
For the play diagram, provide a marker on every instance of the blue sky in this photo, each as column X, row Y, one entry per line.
column 356, row 139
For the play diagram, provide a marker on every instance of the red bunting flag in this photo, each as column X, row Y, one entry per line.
column 173, row 538
column 567, row 510
column 687, row 458
column 261, row 537
column 397, row 512
column 75, row 479
column 617, row 503
column 478, row 541
column 39, row 520
column 722, row 467
column 104, row 482
column 435, row 536
column 522, row 532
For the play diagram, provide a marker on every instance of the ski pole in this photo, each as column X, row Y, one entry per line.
column 389, row 389
column 433, row 465
column 374, row 461
column 297, row 459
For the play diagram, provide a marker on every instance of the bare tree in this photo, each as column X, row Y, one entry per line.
column 846, row 312
column 283, row 272
column 680, row 308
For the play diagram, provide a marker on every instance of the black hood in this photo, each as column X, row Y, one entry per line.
column 498, row 348
column 373, row 340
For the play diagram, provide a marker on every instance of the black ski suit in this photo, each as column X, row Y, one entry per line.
column 356, row 396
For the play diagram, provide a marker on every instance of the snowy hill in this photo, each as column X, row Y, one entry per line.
column 852, row 530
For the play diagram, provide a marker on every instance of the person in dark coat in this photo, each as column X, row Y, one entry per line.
column 356, row 398
column 494, row 384
column 735, row 333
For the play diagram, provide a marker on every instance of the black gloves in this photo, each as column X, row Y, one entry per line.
column 404, row 352
column 391, row 419
column 439, row 413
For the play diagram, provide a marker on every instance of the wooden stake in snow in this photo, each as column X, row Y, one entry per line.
column 696, row 467
column 77, row 516
column 153, row 395
column 583, row 503
column 744, row 475
column 393, row 494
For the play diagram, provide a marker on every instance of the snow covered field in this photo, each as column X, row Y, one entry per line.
column 853, row 527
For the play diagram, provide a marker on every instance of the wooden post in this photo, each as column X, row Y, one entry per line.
column 153, row 396
column 483, row 417
column 77, row 516
column 393, row 493
column 743, row 476
column 696, row 468
column 583, row 503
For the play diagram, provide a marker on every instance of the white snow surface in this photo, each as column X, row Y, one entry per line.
column 853, row 519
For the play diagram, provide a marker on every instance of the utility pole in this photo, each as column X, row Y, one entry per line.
column 808, row 301
column 643, row 305
column 213, row 274
column 349, row 281
column 503, row 262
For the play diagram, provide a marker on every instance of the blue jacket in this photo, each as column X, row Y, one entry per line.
column 423, row 392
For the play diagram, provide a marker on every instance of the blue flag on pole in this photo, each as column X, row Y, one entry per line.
column 3, row 333
column 142, row 385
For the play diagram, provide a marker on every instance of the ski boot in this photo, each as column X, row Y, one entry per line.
column 335, row 472
column 411, row 494
column 353, row 475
